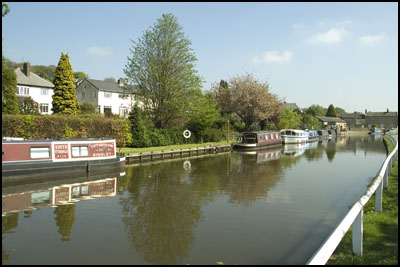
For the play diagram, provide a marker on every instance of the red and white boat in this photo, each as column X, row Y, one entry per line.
column 30, row 160
column 259, row 139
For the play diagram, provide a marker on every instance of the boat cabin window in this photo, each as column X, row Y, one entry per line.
column 249, row 138
column 40, row 152
column 80, row 151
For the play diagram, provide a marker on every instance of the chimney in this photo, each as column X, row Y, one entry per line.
column 365, row 111
column 387, row 110
column 121, row 82
column 27, row 68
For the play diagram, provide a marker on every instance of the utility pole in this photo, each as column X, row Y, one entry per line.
column 227, row 134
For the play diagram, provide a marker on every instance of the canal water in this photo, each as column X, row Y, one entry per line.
column 272, row 206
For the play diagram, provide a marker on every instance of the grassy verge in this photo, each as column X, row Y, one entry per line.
column 380, row 237
column 129, row 150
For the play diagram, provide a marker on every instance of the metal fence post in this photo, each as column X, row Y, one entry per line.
column 378, row 198
column 385, row 178
column 357, row 234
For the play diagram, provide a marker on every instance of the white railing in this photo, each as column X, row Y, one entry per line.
column 355, row 215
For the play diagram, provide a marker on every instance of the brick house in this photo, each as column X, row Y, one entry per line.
column 385, row 120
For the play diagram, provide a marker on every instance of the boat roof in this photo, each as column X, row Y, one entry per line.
column 260, row 132
column 20, row 140
column 294, row 130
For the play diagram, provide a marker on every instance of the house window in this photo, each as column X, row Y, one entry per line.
column 44, row 108
column 107, row 95
column 123, row 111
column 44, row 91
column 40, row 152
column 80, row 151
column 83, row 95
column 22, row 90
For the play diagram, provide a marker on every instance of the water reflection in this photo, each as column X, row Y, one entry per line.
column 163, row 208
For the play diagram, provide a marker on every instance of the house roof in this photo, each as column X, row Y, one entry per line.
column 292, row 106
column 106, row 86
column 330, row 119
column 32, row 79
column 381, row 114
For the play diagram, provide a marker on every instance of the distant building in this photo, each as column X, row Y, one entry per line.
column 354, row 120
column 330, row 122
column 107, row 96
column 292, row 107
column 385, row 120
column 31, row 85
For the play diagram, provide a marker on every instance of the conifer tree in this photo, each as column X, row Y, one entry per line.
column 9, row 101
column 331, row 111
column 64, row 98
column 138, row 127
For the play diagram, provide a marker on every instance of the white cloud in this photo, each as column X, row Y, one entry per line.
column 276, row 56
column 297, row 26
column 273, row 56
column 98, row 51
column 372, row 39
column 333, row 36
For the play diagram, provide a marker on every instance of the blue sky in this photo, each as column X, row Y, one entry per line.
column 345, row 54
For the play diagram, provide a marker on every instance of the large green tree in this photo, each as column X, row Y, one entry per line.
column 64, row 98
column 161, row 66
column 290, row 120
column 9, row 101
column 202, row 113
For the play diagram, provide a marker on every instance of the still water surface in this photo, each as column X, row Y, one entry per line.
column 271, row 207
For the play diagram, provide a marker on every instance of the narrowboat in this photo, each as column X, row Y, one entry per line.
column 258, row 139
column 35, row 160
column 312, row 135
column 323, row 134
column 292, row 136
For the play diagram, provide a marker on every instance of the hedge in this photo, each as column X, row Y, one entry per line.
column 64, row 126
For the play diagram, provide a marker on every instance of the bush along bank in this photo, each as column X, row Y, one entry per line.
column 127, row 133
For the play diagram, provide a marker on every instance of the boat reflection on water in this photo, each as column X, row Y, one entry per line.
column 296, row 149
column 265, row 154
column 14, row 199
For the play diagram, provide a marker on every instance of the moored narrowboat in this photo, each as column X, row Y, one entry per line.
column 312, row 135
column 293, row 136
column 33, row 160
column 323, row 134
column 258, row 139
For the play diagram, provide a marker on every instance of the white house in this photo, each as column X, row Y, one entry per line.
column 105, row 95
column 39, row 89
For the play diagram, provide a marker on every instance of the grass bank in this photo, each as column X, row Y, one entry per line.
column 380, row 237
column 129, row 150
